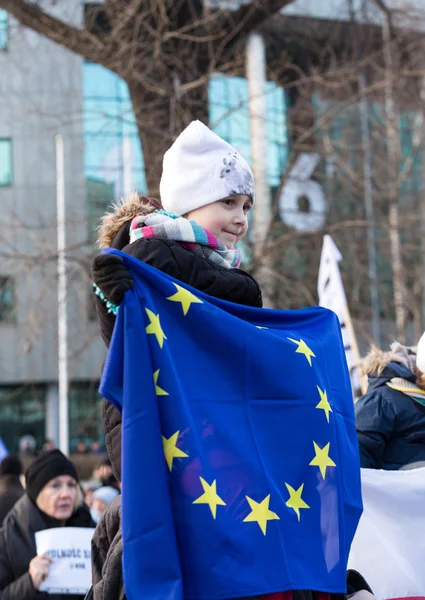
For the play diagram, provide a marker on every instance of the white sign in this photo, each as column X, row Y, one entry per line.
column 332, row 295
column 70, row 550
column 389, row 546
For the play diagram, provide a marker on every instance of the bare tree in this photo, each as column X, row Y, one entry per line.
column 325, row 118
column 165, row 50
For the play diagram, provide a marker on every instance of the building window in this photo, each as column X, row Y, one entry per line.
column 229, row 118
column 4, row 27
column 113, row 159
column 7, row 299
column 85, row 410
column 5, row 162
column 22, row 412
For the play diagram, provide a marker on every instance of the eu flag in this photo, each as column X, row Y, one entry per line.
column 240, row 465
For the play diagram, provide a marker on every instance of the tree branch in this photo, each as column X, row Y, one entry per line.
column 252, row 15
column 77, row 40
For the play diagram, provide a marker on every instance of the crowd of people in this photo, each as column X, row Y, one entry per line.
column 206, row 186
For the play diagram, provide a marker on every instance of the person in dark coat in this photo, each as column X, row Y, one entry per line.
column 52, row 499
column 390, row 417
column 207, row 191
column 11, row 488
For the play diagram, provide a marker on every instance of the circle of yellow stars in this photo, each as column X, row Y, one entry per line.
column 260, row 511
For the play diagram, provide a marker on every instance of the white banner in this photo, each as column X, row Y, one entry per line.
column 332, row 295
column 389, row 545
column 70, row 550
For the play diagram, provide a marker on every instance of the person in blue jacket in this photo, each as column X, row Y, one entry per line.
column 390, row 417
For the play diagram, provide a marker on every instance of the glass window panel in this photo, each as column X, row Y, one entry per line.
column 110, row 134
column 99, row 82
column 4, row 29
column 5, row 162
column 22, row 412
column 85, row 414
column 229, row 118
column 7, row 299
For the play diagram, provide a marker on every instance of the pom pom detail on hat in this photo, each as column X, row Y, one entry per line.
column 201, row 168
column 420, row 354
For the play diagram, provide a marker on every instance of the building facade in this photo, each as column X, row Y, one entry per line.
column 42, row 95
column 46, row 90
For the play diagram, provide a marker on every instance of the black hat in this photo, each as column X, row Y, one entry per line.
column 10, row 465
column 46, row 467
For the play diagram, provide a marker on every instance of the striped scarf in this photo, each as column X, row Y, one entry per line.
column 193, row 237
column 408, row 388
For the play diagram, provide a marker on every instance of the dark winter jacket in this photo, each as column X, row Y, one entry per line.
column 107, row 556
column 170, row 257
column 390, row 424
column 17, row 549
column 233, row 285
column 10, row 491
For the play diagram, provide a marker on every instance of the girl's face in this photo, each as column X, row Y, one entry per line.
column 58, row 497
column 227, row 219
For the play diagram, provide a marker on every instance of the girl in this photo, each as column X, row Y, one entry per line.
column 207, row 191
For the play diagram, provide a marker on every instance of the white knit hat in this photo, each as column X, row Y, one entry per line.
column 420, row 354
column 201, row 168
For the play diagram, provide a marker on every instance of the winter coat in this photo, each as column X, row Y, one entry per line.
column 233, row 285
column 106, row 556
column 170, row 257
column 17, row 549
column 390, row 424
column 10, row 491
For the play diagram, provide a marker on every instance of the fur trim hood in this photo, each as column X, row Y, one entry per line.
column 376, row 360
column 122, row 212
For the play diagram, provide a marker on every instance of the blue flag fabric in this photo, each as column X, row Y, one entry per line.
column 240, row 465
column 3, row 449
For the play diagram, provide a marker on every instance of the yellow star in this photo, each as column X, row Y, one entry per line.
column 185, row 297
column 260, row 513
column 155, row 327
column 295, row 501
column 210, row 496
column 303, row 349
column 171, row 451
column 159, row 391
column 322, row 459
column 324, row 403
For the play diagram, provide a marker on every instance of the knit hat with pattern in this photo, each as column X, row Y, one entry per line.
column 201, row 168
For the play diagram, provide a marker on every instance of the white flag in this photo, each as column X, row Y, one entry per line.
column 332, row 295
column 389, row 546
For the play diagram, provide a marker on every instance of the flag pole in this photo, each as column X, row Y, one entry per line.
column 62, row 308
column 354, row 346
column 332, row 295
